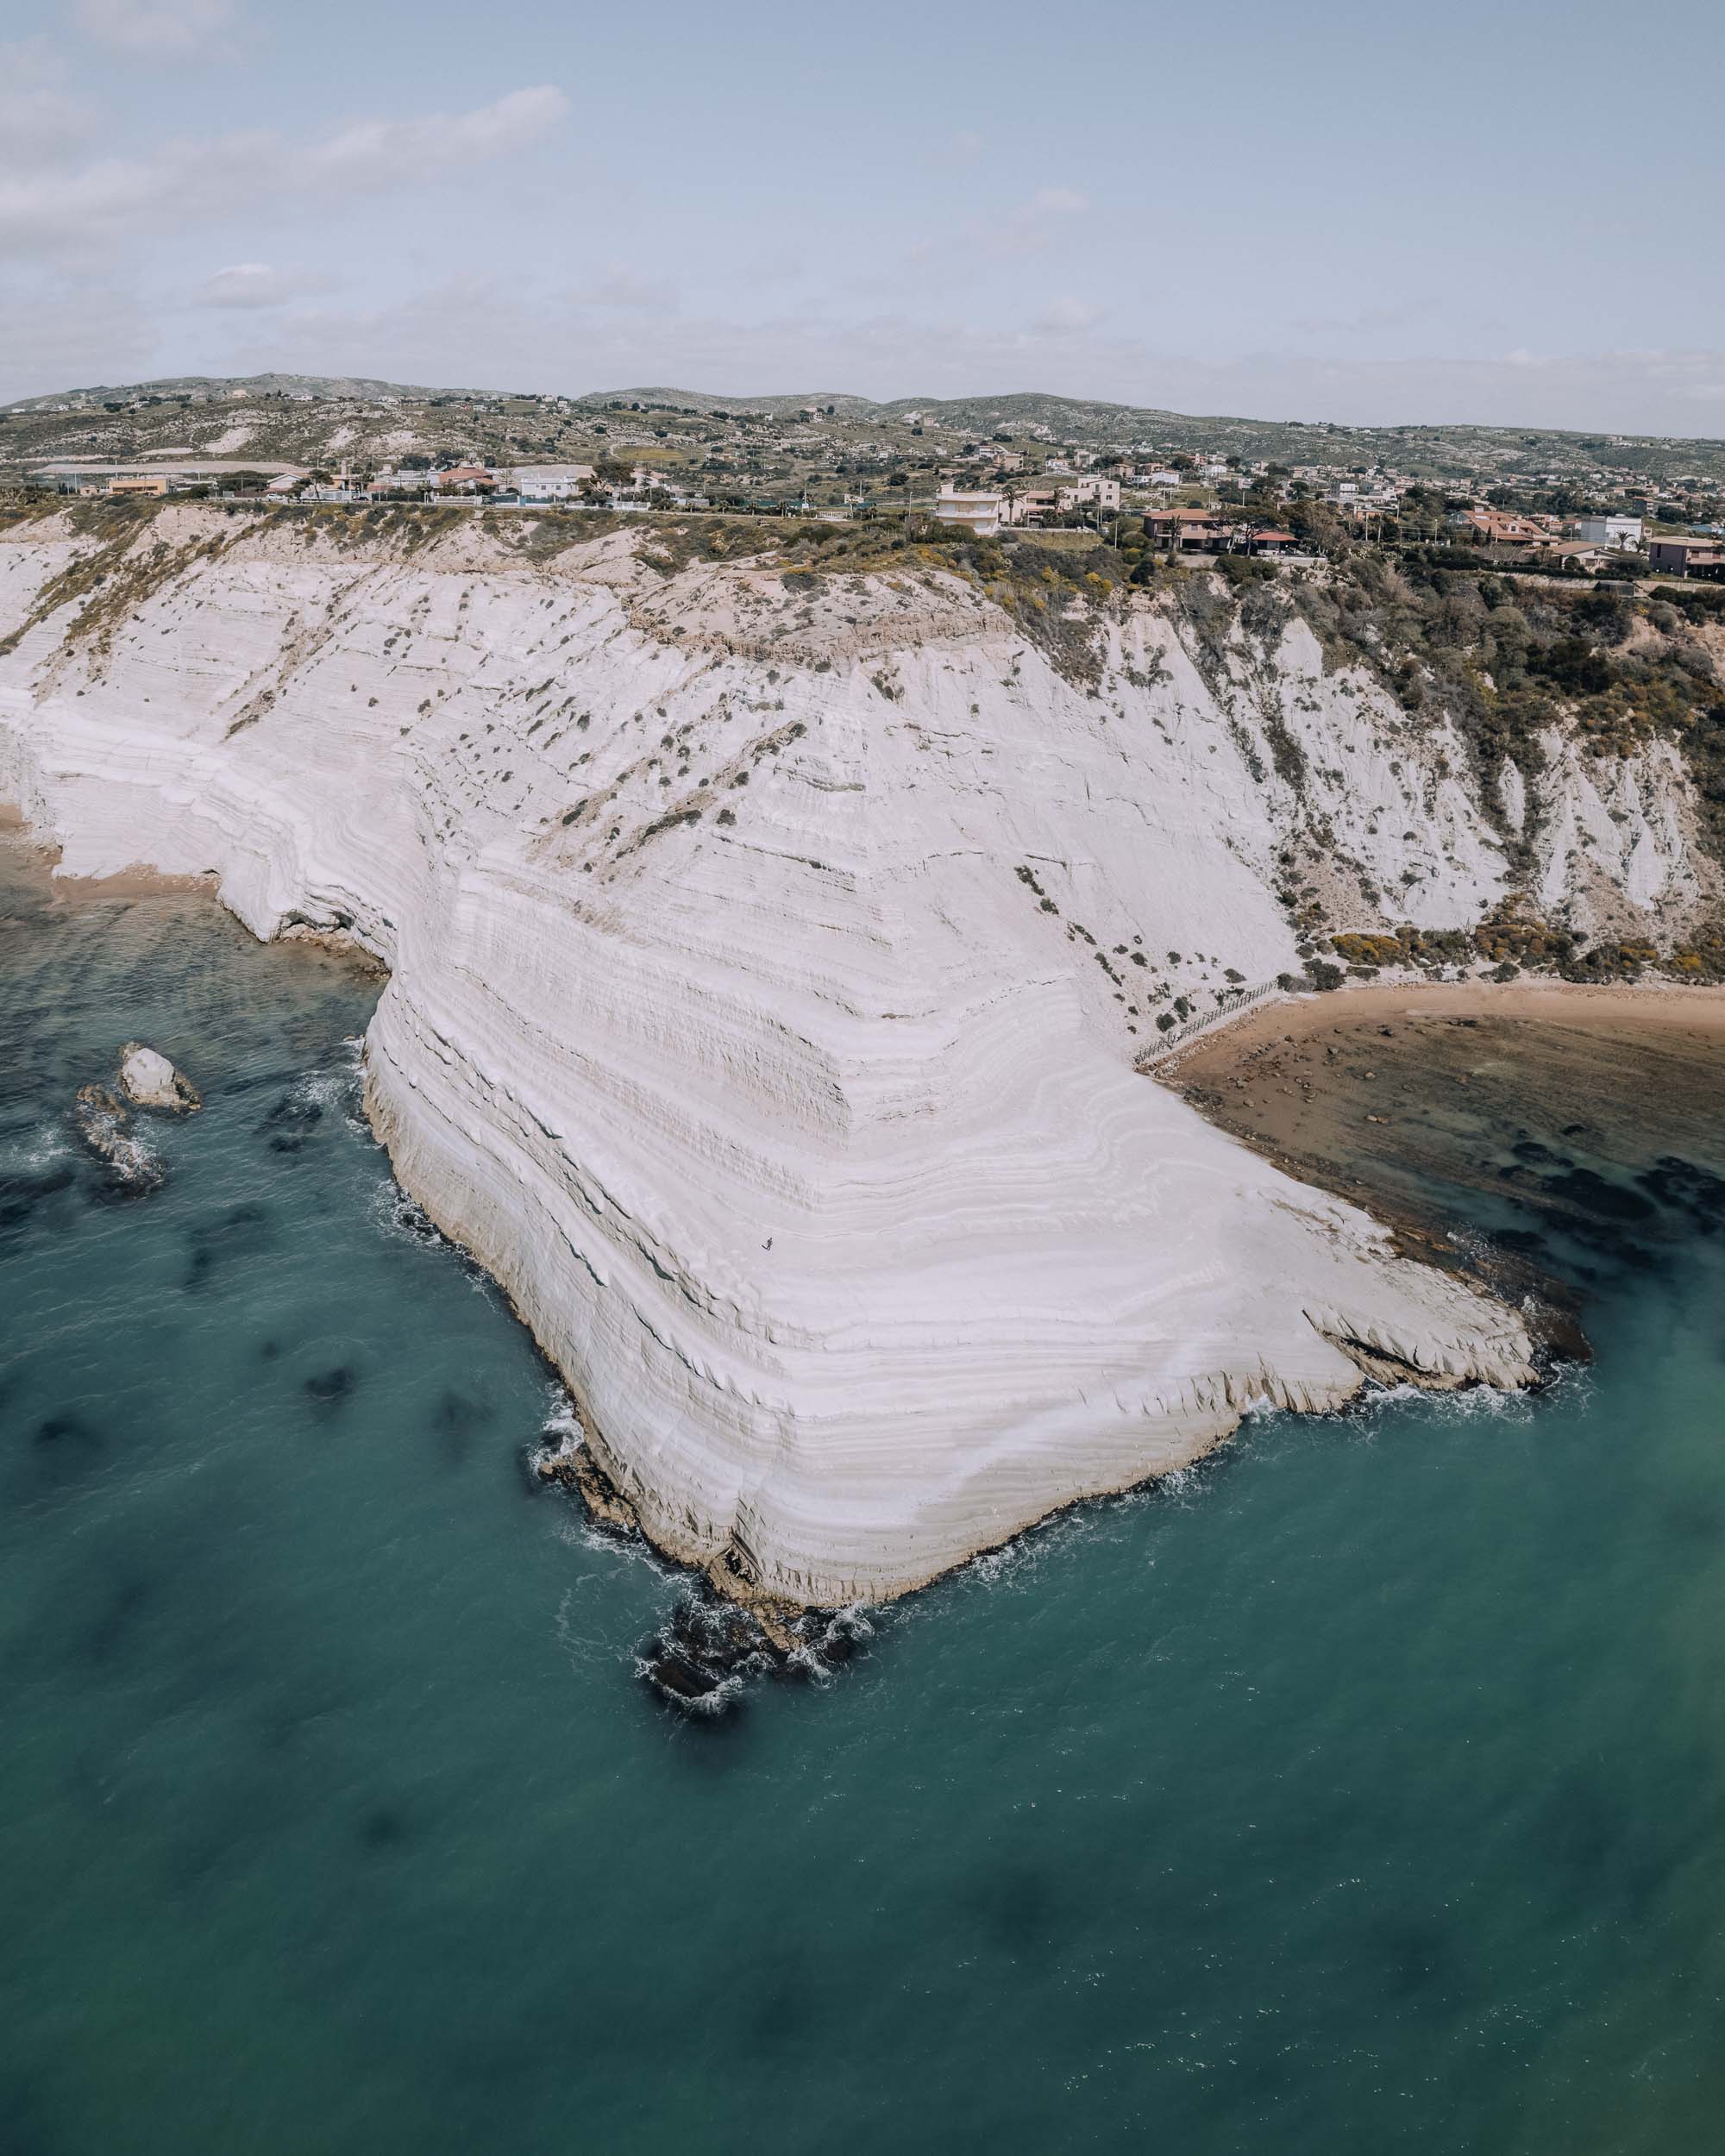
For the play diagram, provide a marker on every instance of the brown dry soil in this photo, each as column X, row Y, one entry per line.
column 1556, row 1111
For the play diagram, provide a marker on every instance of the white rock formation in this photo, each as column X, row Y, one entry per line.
column 767, row 970
column 150, row 1081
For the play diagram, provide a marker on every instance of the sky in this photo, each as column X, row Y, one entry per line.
column 1504, row 213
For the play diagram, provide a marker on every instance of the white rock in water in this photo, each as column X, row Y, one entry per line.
column 150, row 1080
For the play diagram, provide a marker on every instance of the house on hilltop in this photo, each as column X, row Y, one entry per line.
column 1610, row 532
column 978, row 510
column 1498, row 528
column 1687, row 557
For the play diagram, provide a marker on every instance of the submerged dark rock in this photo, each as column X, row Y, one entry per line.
column 383, row 1828
column 719, row 1638
column 1683, row 1185
column 103, row 1122
column 575, row 1467
column 68, row 1428
column 239, row 1232
column 290, row 1122
column 456, row 1419
column 327, row 1388
column 709, row 1649
column 1593, row 1194
column 22, row 1192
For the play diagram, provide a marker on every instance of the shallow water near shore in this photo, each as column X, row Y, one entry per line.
column 1359, row 1790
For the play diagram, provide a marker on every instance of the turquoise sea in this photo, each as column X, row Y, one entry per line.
column 1362, row 1791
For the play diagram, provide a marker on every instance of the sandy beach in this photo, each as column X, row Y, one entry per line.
column 1660, row 1006
column 1399, row 1096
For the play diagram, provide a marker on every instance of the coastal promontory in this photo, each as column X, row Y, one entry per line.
column 772, row 952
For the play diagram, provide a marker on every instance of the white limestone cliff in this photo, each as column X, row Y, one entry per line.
column 767, row 970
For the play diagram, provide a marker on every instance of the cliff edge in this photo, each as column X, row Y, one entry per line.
column 769, row 961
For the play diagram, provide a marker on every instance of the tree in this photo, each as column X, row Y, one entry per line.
column 1316, row 524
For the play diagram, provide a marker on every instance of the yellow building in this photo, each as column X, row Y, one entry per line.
column 138, row 483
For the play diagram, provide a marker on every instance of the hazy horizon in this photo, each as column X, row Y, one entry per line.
column 828, row 391
column 1327, row 216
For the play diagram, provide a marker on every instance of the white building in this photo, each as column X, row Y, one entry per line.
column 550, row 482
column 1106, row 493
column 1622, row 532
column 978, row 510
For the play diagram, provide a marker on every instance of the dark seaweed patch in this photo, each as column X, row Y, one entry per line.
column 290, row 1122
column 329, row 1388
column 383, row 1829
column 67, row 1430
column 454, row 1420
column 1591, row 1193
column 20, row 1195
column 64, row 1447
column 1018, row 1912
column 239, row 1232
column 1681, row 1185
column 1607, row 1240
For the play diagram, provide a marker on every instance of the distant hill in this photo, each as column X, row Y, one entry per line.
column 845, row 406
column 254, row 385
column 278, row 418
column 1463, row 450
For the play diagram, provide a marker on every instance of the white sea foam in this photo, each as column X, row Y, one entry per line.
column 396, row 1215
column 32, row 1152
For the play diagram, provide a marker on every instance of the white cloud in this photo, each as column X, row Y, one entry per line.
column 256, row 284
column 57, row 338
column 40, row 121
column 628, row 293
column 160, row 30
column 1362, row 321
column 97, row 205
column 374, row 154
column 1033, row 225
column 1062, row 316
column 1059, row 202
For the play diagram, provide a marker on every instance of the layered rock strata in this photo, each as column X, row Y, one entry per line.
column 767, row 970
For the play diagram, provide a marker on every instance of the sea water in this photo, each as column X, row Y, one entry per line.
column 1362, row 1789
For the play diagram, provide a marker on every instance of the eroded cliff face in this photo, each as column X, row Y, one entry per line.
column 768, row 968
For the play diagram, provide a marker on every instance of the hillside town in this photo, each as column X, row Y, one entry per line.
column 1564, row 504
